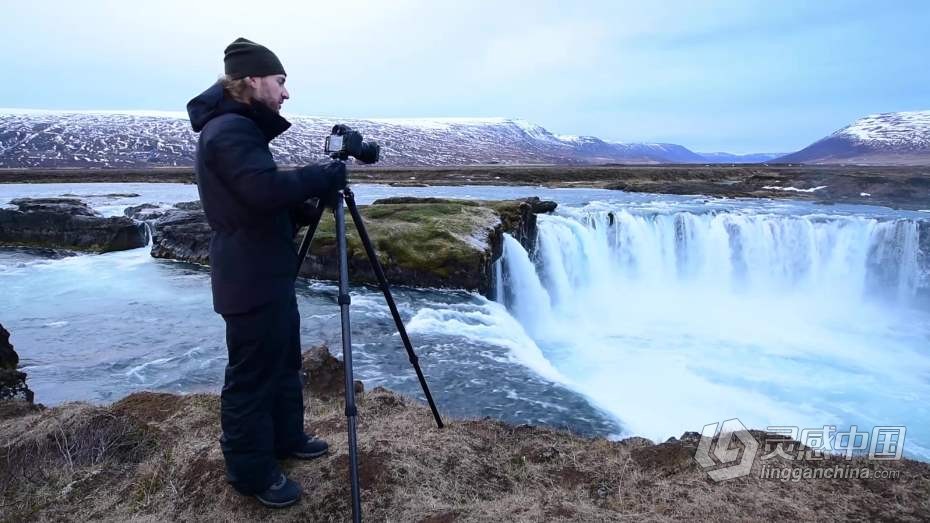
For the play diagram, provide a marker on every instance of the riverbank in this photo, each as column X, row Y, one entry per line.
column 421, row 242
column 155, row 457
column 899, row 187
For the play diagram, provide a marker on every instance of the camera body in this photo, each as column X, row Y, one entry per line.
column 335, row 145
column 344, row 142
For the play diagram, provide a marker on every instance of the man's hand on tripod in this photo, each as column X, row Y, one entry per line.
column 336, row 177
column 336, row 180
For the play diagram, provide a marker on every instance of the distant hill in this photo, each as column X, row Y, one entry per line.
column 879, row 139
column 740, row 158
column 138, row 139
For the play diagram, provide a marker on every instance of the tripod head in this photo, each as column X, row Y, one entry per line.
column 331, row 201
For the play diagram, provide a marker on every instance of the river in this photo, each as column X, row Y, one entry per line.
column 637, row 314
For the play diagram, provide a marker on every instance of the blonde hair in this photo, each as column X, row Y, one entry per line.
column 238, row 89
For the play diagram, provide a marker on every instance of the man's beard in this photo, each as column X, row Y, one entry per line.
column 271, row 106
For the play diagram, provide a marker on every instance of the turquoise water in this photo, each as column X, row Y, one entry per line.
column 776, row 312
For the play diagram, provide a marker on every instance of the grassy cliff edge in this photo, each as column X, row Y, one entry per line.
column 156, row 457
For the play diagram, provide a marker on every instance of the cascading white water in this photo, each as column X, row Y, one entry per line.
column 853, row 257
column 529, row 300
column 498, row 271
column 149, row 235
column 671, row 320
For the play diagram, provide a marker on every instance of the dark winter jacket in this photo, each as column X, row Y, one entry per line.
column 249, row 203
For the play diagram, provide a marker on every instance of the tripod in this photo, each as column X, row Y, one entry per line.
column 344, row 302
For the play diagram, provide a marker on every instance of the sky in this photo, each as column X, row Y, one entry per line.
column 736, row 76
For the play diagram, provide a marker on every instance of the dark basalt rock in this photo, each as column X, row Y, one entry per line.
column 323, row 375
column 143, row 212
column 67, row 223
column 150, row 213
column 69, row 206
column 518, row 218
column 195, row 205
column 12, row 382
column 541, row 206
column 182, row 235
column 8, row 357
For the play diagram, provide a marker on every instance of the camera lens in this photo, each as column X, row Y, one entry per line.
column 370, row 152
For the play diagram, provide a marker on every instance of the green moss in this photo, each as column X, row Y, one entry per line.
column 425, row 241
column 511, row 212
column 436, row 236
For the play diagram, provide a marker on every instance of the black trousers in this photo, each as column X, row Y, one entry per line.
column 262, row 413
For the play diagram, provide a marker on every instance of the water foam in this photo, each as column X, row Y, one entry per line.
column 670, row 320
column 486, row 322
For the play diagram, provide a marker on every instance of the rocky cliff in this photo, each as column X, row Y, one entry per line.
column 67, row 223
column 12, row 380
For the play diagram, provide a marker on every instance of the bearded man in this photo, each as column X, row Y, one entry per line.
column 254, row 210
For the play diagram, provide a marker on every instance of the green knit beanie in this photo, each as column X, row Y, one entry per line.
column 246, row 58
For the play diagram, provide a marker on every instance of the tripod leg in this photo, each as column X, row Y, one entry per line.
column 344, row 302
column 308, row 237
column 385, row 288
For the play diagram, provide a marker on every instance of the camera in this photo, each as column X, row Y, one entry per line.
column 344, row 142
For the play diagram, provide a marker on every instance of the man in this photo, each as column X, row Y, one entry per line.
column 253, row 209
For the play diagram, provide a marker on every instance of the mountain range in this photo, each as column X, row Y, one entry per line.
column 901, row 138
column 140, row 139
column 135, row 139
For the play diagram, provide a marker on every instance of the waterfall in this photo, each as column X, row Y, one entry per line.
column 605, row 252
column 150, row 234
column 670, row 319
column 497, row 269
column 524, row 293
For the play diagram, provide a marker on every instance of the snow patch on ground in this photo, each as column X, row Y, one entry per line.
column 794, row 189
column 534, row 131
column 101, row 112
column 434, row 123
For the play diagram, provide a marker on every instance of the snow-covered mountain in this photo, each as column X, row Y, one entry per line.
column 887, row 138
column 138, row 139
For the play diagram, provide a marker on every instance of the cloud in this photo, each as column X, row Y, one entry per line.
column 703, row 70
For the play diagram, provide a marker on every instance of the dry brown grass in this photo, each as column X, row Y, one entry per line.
column 155, row 457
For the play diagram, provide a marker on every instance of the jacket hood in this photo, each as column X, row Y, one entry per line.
column 214, row 102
